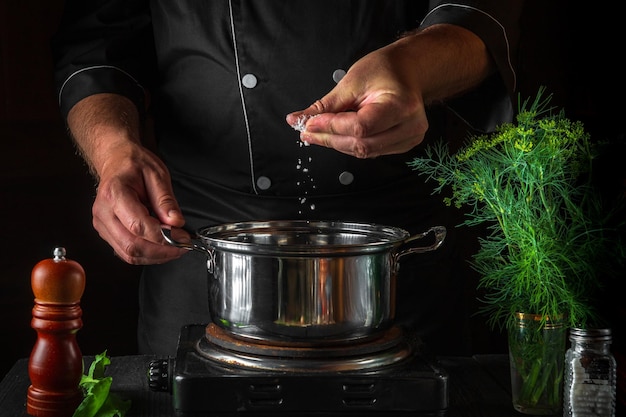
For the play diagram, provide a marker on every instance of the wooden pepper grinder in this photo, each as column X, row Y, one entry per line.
column 55, row 366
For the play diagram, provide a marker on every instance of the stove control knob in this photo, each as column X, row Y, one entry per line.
column 159, row 375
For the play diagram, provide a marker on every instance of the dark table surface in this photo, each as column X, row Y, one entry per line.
column 478, row 386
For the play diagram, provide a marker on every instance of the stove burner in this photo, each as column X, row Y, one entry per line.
column 202, row 385
column 220, row 346
column 226, row 340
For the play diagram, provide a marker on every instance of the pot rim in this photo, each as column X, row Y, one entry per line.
column 302, row 237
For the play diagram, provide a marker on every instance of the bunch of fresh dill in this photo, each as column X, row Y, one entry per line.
column 531, row 183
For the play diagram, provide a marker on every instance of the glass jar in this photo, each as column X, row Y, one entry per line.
column 537, row 354
column 590, row 374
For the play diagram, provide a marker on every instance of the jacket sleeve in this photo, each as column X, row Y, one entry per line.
column 103, row 47
column 496, row 22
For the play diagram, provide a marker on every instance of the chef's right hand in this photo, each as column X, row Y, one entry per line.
column 134, row 198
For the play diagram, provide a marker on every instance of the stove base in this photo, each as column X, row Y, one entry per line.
column 202, row 387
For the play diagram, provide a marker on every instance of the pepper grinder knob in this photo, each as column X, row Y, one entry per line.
column 55, row 365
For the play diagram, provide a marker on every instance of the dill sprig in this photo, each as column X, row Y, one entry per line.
column 531, row 183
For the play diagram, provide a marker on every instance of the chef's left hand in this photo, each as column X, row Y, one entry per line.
column 376, row 109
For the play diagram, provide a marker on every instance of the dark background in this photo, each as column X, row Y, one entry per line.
column 46, row 191
column 46, row 195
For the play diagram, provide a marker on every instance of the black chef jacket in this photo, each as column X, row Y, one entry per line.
column 218, row 78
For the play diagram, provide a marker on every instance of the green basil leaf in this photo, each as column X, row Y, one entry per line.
column 96, row 370
column 98, row 401
column 94, row 399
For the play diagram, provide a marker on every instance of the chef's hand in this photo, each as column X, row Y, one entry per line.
column 133, row 201
column 372, row 111
column 378, row 108
column 134, row 196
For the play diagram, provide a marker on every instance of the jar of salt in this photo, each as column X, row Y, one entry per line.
column 590, row 374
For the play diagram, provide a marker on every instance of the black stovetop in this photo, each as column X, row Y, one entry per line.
column 200, row 386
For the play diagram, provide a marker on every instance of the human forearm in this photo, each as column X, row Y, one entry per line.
column 442, row 61
column 101, row 123
column 497, row 24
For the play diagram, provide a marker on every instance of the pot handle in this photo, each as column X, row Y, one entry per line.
column 167, row 235
column 440, row 235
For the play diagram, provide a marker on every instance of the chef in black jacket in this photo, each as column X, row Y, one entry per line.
column 222, row 84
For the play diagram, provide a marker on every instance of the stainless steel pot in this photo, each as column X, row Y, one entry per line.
column 304, row 282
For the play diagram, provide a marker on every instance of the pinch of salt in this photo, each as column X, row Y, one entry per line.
column 300, row 124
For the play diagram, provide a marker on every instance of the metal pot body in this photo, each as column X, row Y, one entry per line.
column 311, row 299
column 305, row 282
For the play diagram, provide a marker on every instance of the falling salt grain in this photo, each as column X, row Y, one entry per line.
column 300, row 126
